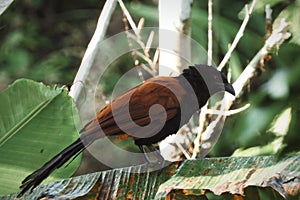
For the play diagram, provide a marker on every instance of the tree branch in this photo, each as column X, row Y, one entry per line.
column 79, row 84
column 238, row 36
column 278, row 36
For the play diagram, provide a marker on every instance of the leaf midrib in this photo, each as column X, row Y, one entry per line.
column 26, row 119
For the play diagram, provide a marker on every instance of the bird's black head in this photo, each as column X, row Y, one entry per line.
column 208, row 78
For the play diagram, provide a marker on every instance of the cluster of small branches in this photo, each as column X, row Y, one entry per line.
column 135, row 36
column 274, row 38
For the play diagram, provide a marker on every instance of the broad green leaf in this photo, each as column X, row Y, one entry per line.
column 279, row 128
column 36, row 122
column 123, row 183
column 280, row 125
column 271, row 148
column 192, row 179
column 233, row 175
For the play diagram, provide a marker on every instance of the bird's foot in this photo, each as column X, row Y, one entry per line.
column 154, row 159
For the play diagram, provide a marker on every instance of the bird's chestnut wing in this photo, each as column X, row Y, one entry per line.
column 131, row 109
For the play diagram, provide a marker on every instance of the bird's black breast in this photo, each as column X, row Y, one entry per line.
column 180, row 102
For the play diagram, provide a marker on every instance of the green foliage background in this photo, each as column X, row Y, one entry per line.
column 45, row 41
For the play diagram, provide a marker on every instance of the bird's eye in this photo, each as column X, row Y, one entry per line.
column 217, row 78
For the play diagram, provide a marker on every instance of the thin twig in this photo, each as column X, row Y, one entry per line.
column 140, row 25
column 212, row 126
column 183, row 150
column 203, row 113
column 149, row 42
column 148, row 70
column 269, row 28
column 136, row 29
column 238, row 36
column 278, row 36
column 229, row 74
column 128, row 16
column 133, row 53
column 137, row 38
column 155, row 61
column 202, row 120
column 148, row 60
column 227, row 112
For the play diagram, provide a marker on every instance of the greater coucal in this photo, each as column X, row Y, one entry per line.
column 147, row 113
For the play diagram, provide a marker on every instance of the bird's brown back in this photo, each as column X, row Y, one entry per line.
column 128, row 112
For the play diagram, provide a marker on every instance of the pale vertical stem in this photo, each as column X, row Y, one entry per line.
column 203, row 113
column 174, row 18
column 210, row 33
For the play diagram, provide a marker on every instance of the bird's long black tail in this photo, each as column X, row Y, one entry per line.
column 34, row 179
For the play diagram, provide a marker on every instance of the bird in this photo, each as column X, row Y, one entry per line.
column 147, row 113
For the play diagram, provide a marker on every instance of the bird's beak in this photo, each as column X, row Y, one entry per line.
column 229, row 88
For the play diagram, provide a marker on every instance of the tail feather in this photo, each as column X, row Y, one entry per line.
column 34, row 179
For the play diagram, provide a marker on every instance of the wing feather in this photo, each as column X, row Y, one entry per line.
column 133, row 106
